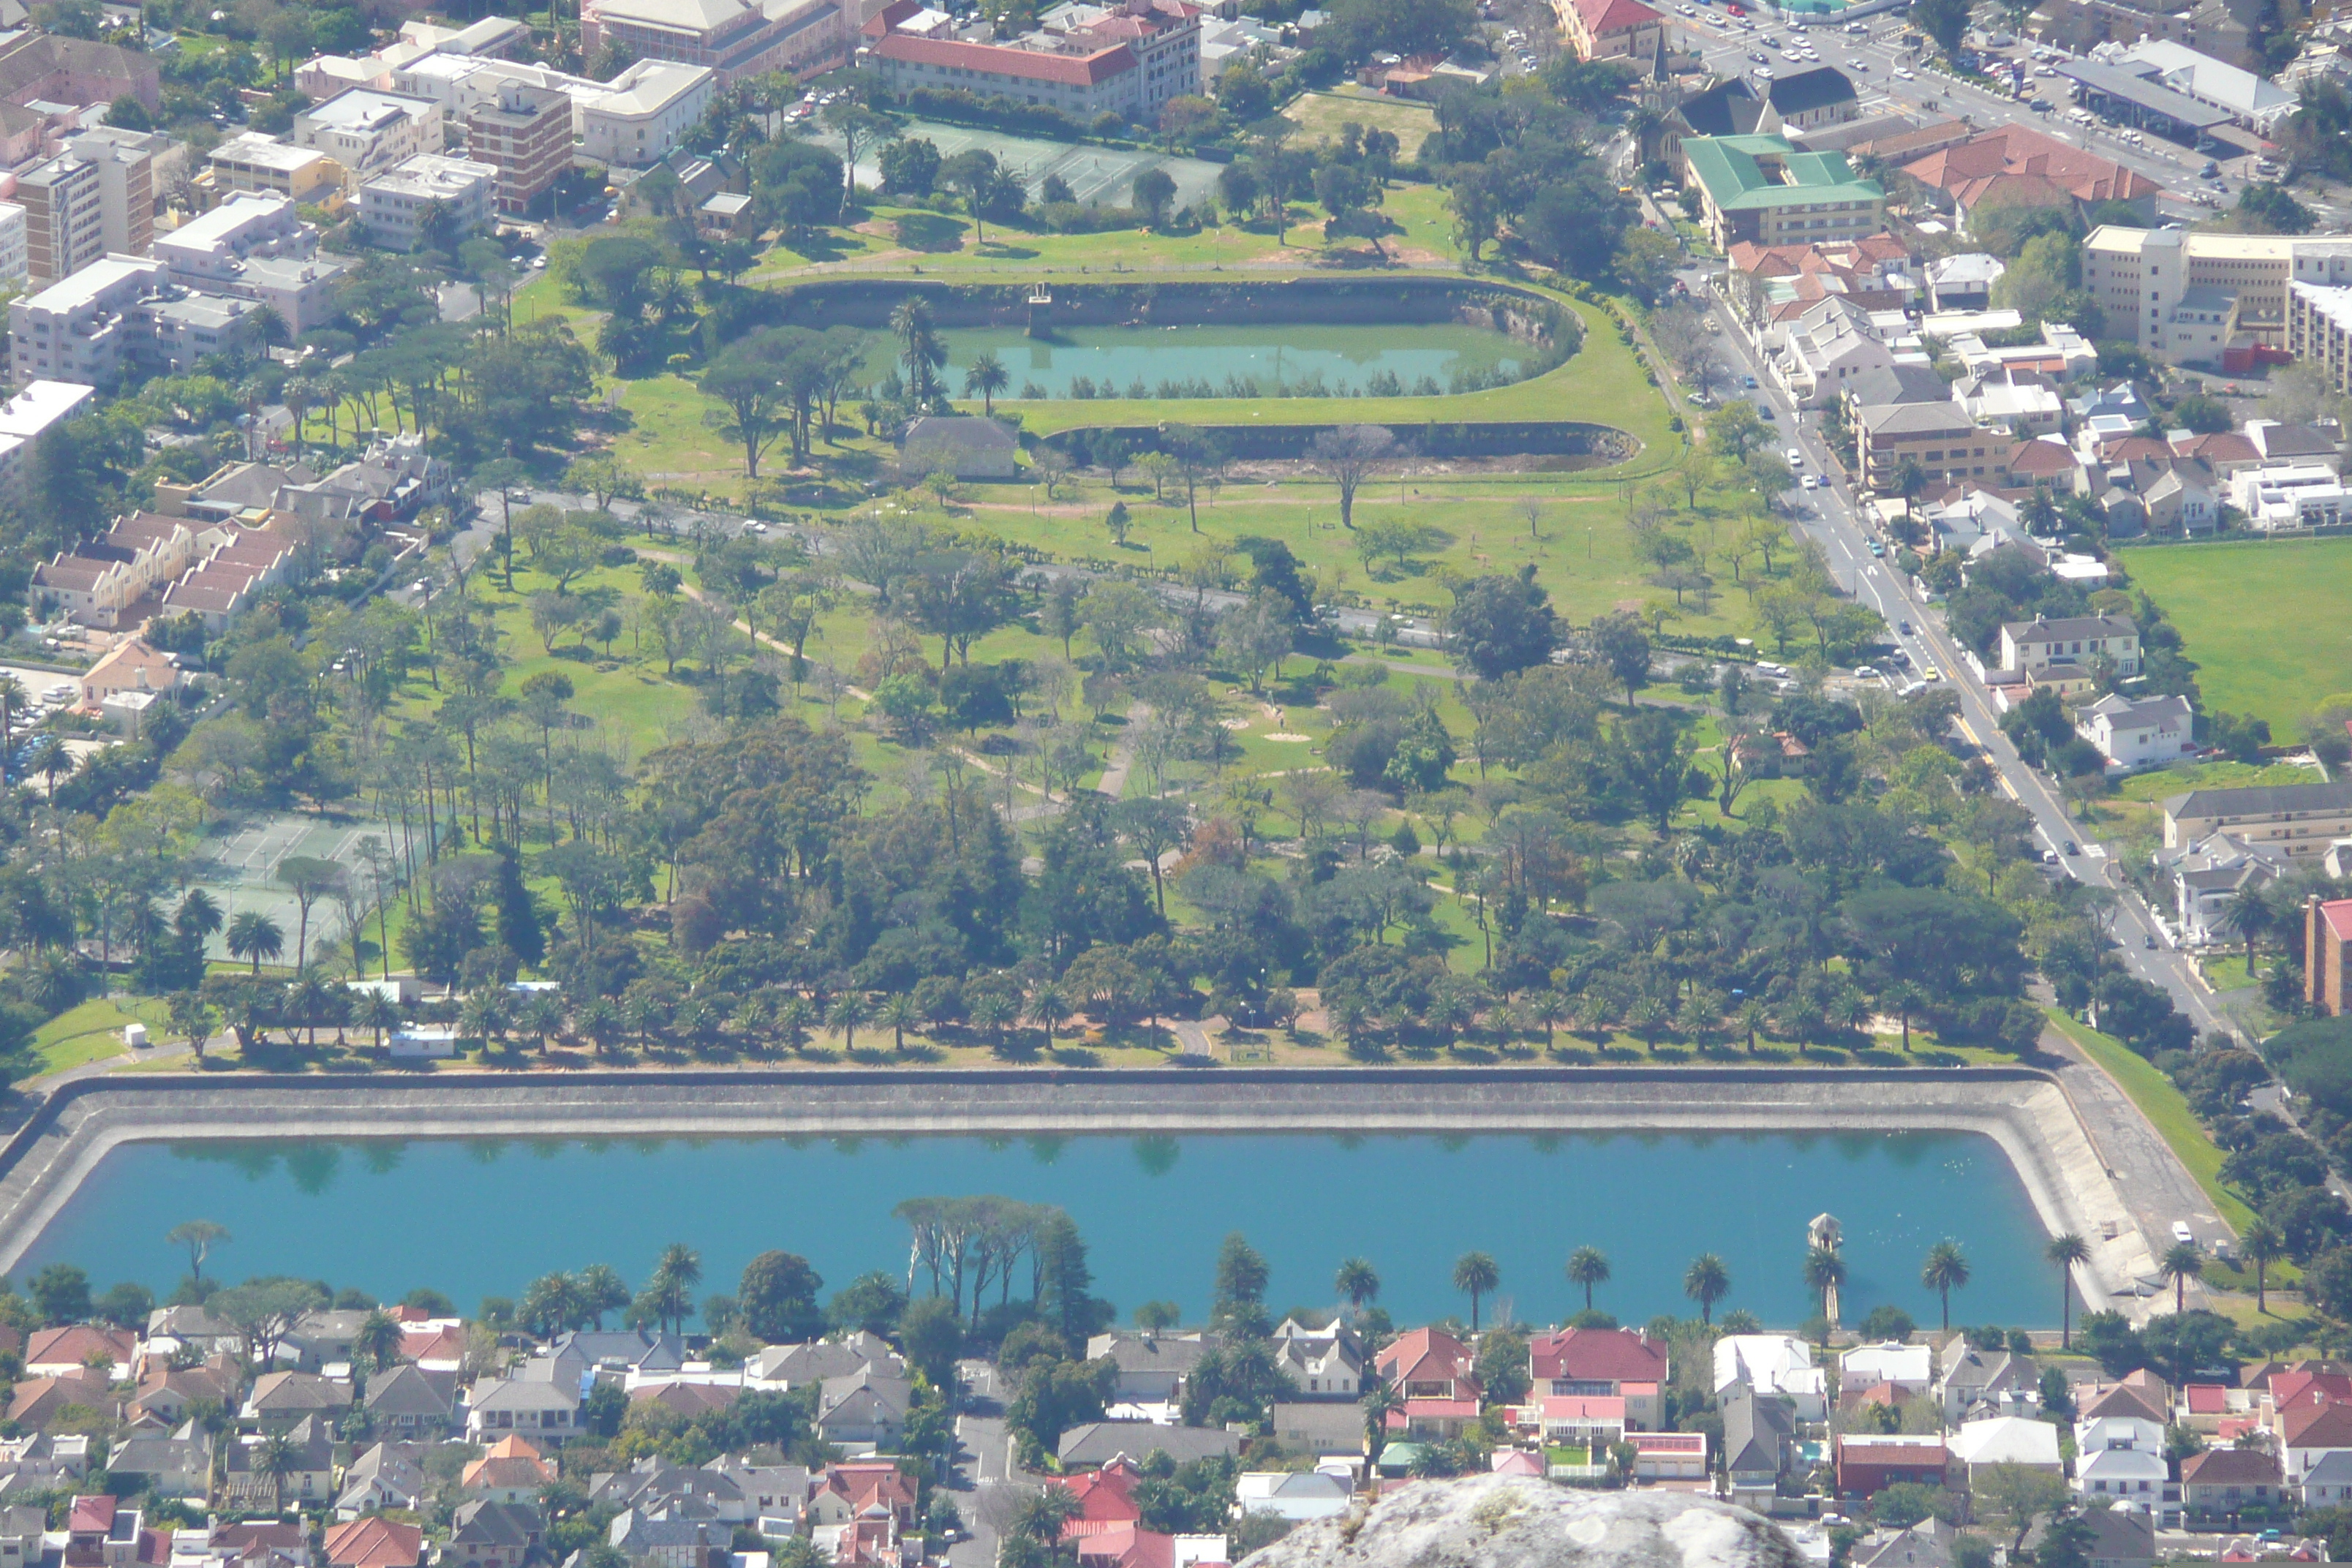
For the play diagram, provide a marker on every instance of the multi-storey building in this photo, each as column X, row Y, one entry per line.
column 65, row 221
column 2319, row 330
column 1613, row 29
column 735, row 38
column 252, row 162
column 392, row 205
column 2216, row 300
column 1128, row 61
column 525, row 134
column 82, row 329
column 15, row 259
column 366, row 130
column 127, row 163
column 254, row 246
column 1760, row 189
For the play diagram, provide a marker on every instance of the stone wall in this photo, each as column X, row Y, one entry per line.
column 2022, row 1111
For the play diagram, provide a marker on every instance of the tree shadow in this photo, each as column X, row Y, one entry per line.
column 997, row 249
column 1076, row 1057
column 931, row 233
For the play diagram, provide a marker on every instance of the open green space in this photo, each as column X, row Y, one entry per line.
column 2167, row 1109
column 2263, row 620
column 1321, row 114
column 92, row 1032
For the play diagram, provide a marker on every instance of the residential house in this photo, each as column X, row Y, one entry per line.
column 686, row 1397
column 55, row 1352
column 1613, row 29
column 2328, row 1483
column 1151, row 1366
column 2309, row 1433
column 543, row 1410
column 387, row 1476
column 1431, row 1372
column 310, row 1453
column 1827, row 346
column 1669, row 1456
column 1927, row 1544
column 2082, row 640
column 1963, row 283
column 863, row 1406
column 2120, row 1537
column 1590, row 1422
column 38, row 1401
column 2123, row 1429
column 1760, row 1431
column 180, row 1465
column 1985, row 1383
column 511, row 1471
column 1324, row 1363
column 2228, row 1481
column 256, row 1543
column 789, row 1367
column 483, row 1534
column 1772, row 1364
column 2045, row 460
column 2139, row 733
column 1300, row 1497
column 2181, row 503
column 1978, row 1445
column 281, row 1400
column 22, row 1526
column 2135, row 1477
column 1315, row 1426
column 859, row 1488
column 1910, row 1368
column 1099, row 1442
column 1868, row 1463
column 1106, row 1496
column 410, row 1402
column 172, row 1328
column 672, row 1541
column 321, row 1338
column 638, row 1351
column 1620, row 1363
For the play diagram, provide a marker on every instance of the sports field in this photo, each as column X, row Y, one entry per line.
column 1098, row 174
column 238, row 866
column 2265, row 622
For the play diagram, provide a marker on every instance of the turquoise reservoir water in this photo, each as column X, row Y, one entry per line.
column 1337, row 359
column 475, row 1218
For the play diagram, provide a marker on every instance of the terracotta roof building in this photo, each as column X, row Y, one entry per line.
column 1613, row 29
column 375, row 1542
column 2016, row 166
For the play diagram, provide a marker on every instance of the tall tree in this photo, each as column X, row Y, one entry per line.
column 1945, row 1271
column 1347, row 454
column 1707, row 1281
column 1587, row 1266
column 2066, row 1251
column 1476, row 1274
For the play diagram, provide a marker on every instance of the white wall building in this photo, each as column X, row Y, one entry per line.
column 255, row 246
column 366, row 130
column 81, row 328
column 2138, row 734
column 2290, row 496
column 392, row 204
column 16, row 259
column 25, row 417
column 2205, row 298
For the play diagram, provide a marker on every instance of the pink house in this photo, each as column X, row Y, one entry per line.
column 1611, row 1364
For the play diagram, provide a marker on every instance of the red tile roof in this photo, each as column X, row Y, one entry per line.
column 1598, row 1355
column 2015, row 162
column 1106, row 1496
column 2041, row 458
column 889, row 17
column 2223, row 446
column 91, row 1513
column 2323, row 1426
column 2221, row 1467
column 992, row 59
column 2207, row 1398
column 1128, row 1546
column 2299, row 1388
column 2337, row 913
column 1423, row 1355
column 373, row 1543
column 1601, row 16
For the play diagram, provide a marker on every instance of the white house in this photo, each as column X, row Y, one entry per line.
column 1298, row 1497
column 2132, row 1475
column 2208, row 874
column 1770, row 1364
column 2139, row 733
column 2104, row 1432
column 1978, row 1445
column 1910, row 1368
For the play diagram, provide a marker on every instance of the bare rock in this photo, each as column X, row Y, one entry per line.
column 1517, row 1521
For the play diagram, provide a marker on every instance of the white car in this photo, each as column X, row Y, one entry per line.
column 1796, row 458
column 1906, row 73
column 1809, row 481
column 1862, row 66
column 1763, row 73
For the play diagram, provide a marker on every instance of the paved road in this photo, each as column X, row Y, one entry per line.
column 987, row 1482
column 2151, row 1176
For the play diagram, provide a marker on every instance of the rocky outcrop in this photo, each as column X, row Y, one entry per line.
column 1499, row 1522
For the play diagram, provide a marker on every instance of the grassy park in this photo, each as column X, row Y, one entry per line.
column 2261, row 619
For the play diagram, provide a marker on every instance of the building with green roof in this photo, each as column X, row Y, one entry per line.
column 1762, row 191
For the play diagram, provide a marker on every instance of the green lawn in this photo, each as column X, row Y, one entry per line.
column 2263, row 621
column 2164, row 782
column 93, row 1032
column 1320, row 115
column 2167, row 1110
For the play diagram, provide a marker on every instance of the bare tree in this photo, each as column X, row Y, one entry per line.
column 1346, row 454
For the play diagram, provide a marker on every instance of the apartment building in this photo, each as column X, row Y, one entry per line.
column 2214, row 300
column 633, row 121
column 252, row 162
column 2295, row 820
column 526, row 135
column 128, row 165
column 1761, row 189
column 65, row 221
column 366, row 130
column 1946, row 442
column 734, row 39
column 16, row 259
column 1126, row 61
column 392, row 204
column 2319, row 330
column 255, row 246
column 82, row 327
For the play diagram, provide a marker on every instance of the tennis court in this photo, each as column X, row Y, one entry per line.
column 238, row 866
column 1098, row 174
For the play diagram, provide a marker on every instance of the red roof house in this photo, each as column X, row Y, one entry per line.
column 1622, row 1363
column 1106, row 1496
column 375, row 1542
column 1429, row 1363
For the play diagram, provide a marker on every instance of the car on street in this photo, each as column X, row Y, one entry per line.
column 2151, row 942
column 1796, row 459
column 1878, row 548
column 1810, row 482
column 1762, row 73
column 1862, row 66
column 1906, row 73
column 1760, row 57
column 1931, row 673
column 1748, row 381
column 1907, row 629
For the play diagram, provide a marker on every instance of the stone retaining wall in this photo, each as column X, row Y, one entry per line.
column 2022, row 1111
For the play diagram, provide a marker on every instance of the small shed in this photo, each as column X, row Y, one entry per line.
column 727, row 215
column 135, row 1036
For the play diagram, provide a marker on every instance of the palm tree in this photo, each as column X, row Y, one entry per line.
column 2249, row 913
column 1048, row 1006
column 1378, row 1402
column 1945, row 1271
column 191, row 1020
column 1476, row 1274
column 52, row 761
column 1550, row 1008
column 676, row 1273
column 256, row 937
column 988, row 377
column 849, row 1012
column 1707, row 1281
column 2066, row 1251
column 542, row 1018
column 792, row 1020
column 601, row 1292
column 995, row 1012
column 1587, row 1266
column 2263, row 1246
column 484, row 1016
column 379, row 1013
column 1644, row 1017
column 276, row 1458
column 1901, row 999
column 198, row 915
column 1752, row 1017
column 1825, row 1272
column 13, row 699
column 1357, row 1282
column 378, row 1339
column 901, row 1014
column 2181, row 1262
